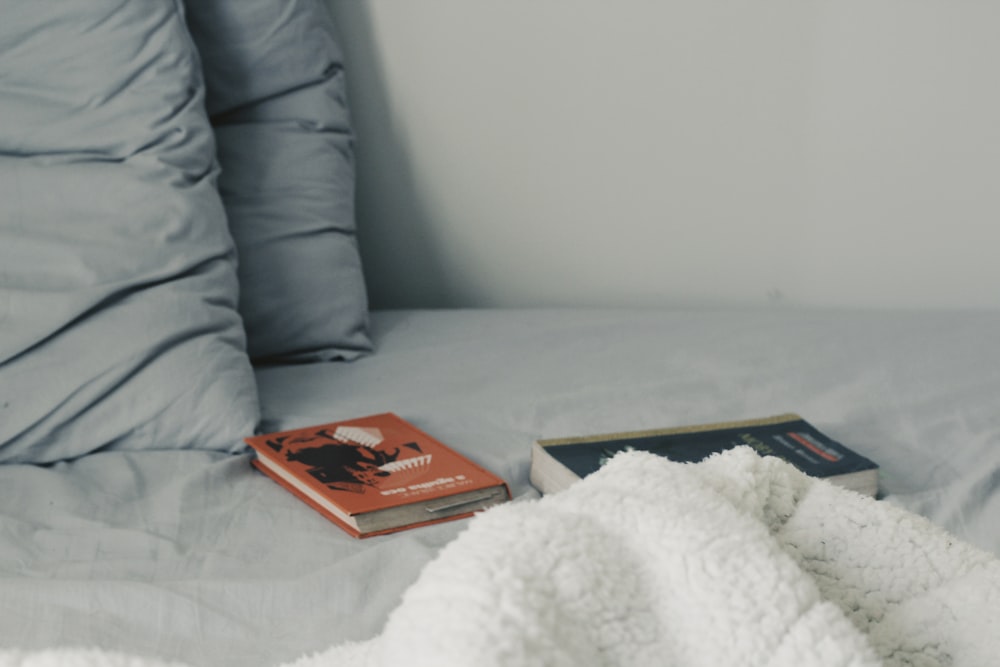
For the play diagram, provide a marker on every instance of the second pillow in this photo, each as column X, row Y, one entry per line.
column 276, row 96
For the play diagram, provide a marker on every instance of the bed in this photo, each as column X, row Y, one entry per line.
column 194, row 556
column 134, row 530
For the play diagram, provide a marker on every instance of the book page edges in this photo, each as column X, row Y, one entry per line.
column 698, row 428
column 547, row 473
column 346, row 527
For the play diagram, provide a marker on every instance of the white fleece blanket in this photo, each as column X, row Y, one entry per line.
column 737, row 560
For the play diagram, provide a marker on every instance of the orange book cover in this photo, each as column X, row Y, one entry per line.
column 376, row 474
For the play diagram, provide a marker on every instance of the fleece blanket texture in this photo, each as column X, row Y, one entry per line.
column 738, row 560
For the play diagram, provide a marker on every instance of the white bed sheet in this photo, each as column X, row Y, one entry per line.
column 194, row 556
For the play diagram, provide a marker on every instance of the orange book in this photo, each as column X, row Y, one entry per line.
column 377, row 474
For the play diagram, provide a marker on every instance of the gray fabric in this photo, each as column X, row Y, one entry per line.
column 277, row 99
column 187, row 554
column 195, row 556
column 914, row 391
column 117, row 280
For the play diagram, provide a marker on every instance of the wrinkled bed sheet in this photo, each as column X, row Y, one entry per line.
column 193, row 556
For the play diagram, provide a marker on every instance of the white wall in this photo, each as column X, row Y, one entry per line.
column 540, row 152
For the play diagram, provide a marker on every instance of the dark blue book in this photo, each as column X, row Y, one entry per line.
column 557, row 463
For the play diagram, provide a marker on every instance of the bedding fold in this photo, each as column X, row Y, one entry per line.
column 738, row 560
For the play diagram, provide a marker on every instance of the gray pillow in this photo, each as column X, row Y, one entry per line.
column 275, row 93
column 118, row 320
